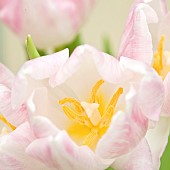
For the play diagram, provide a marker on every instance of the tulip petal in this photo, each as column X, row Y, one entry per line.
column 6, row 76
column 139, row 159
column 166, row 104
column 10, row 13
column 42, row 127
column 37, row 69
column 125, row 132
column 12, row 150
column 157, row 139
column 61, row 152
column 136, row 41
column 14, row 116
column 151, row 95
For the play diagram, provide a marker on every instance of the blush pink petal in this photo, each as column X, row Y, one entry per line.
column 139, row 159
column 14, row 116
column 157, row 139
column 37, row 69
column 99, row 64
column 6, row 76
column 136, row 42
column 42, row 127
column 125, row 132
column 151, row 96
column 12, row 149
column 62, row 153
column 166, row 105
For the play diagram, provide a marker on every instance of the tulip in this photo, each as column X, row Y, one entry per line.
column 51, row 23
column 158, row 138
column 87, row 111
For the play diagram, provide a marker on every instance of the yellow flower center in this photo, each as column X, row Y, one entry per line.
column 159, row 63
column 91, row 119
column 7, row 123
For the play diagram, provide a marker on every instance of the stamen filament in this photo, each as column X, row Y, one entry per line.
column 76, row 103
column 7, row 123
column 91, row 138
column 94, row 91
column 158, row 56
column 73, row 115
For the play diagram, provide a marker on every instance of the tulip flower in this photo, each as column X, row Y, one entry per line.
column 160, row 62
column 87, row 111
column 51, row 23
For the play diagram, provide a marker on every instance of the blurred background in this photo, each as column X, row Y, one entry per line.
column 107, row 19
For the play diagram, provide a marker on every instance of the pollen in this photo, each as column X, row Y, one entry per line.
column 89, row 115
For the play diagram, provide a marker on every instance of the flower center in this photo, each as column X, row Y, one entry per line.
column 7, row 123
column 91, row 119
column 159, row 63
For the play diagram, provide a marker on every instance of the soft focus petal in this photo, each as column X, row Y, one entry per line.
column 139, row 159
column 136, row 42
column 151, row 95
column 14, row 116
column 61, row 152
column 166, row 105
column 37, row 69
column 12, row 150
column 157, row 139
column 6, row 76
column 42, row 127
column 47, row 22
column 124, row 133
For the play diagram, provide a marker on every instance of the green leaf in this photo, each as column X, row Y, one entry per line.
column 107, row 45
column 165, row 165
column 71, row 46
column 31, row 49
column 109, row 168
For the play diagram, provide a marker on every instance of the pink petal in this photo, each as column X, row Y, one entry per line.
column 14, row 116
column 157, row 139
column 42, row 127
column 12, row 150
column 10, row 13
column 61, row 152
column 33, row 70
column 136, row 41
column 46, row 106
column 151, row 95
column 166, row 104
column 6, row 76
column 99, row 65
column 124, row 133
column 139, row 159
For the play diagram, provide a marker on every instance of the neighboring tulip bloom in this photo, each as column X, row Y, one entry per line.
column 160, row 61
column 51, row 23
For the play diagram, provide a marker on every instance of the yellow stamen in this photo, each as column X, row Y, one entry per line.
column 94, row 91
column 91, row 138
column 7, row 123
column 76, row 103
column 158, row 56
column 106, row 119
column 75, row 116
column 88, row 114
